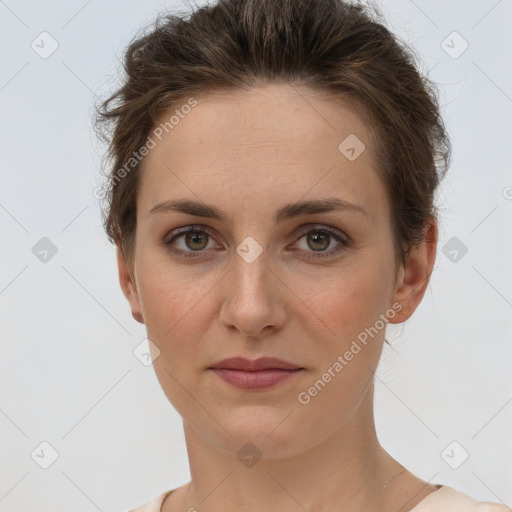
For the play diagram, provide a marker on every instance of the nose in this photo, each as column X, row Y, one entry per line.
column 254, row 298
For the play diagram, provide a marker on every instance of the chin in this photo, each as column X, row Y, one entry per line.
column 264, row 426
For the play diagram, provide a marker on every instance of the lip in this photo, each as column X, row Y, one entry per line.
column 262, row 373
column 255, row 380
column 263, row 363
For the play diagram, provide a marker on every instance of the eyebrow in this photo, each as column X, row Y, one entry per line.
column 289, row 211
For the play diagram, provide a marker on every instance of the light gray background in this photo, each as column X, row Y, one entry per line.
column 68, row 373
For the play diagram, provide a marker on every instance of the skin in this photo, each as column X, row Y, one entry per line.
column 250, row 153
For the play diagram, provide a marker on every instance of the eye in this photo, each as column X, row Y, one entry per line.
column 320, row 239
column 195, row 239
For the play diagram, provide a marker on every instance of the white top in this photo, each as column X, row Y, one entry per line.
column 445, row 499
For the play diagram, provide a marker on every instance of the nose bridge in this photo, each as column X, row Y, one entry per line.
column 250, row 304
column 251, row 272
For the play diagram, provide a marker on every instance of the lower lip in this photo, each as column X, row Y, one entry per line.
column 261, row 379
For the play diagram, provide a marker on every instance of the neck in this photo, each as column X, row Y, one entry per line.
column 347, row 471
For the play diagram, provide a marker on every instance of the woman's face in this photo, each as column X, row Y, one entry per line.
column 306, row 287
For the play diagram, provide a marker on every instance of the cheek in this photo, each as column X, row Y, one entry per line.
column 178, row 310
column 348, row 351
column 345, row 302
column 170, row 293
column 174, row 306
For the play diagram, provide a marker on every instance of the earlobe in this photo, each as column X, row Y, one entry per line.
column 413, row 280
column 128, row 287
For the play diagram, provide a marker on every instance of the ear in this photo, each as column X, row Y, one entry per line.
column 128, row 286
column 413, row 280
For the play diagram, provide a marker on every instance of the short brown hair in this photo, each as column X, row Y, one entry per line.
column 328, row 45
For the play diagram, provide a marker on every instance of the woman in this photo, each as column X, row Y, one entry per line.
column 272, row 202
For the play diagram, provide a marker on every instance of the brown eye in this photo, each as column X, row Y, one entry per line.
column 192, row 242
column 196, row 241
column 318, row 240
column 188, row 241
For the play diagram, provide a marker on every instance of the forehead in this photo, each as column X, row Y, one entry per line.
column 276, row 142
column 272, row 114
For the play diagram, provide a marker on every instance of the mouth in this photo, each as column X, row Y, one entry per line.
column 259, row 379
column 259, row 374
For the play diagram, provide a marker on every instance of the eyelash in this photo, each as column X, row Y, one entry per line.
column 198, row 229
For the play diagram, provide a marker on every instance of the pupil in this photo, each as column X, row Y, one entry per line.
column 192, row 237
column 316, row 236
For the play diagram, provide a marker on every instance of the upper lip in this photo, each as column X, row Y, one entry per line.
column 263, row 363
